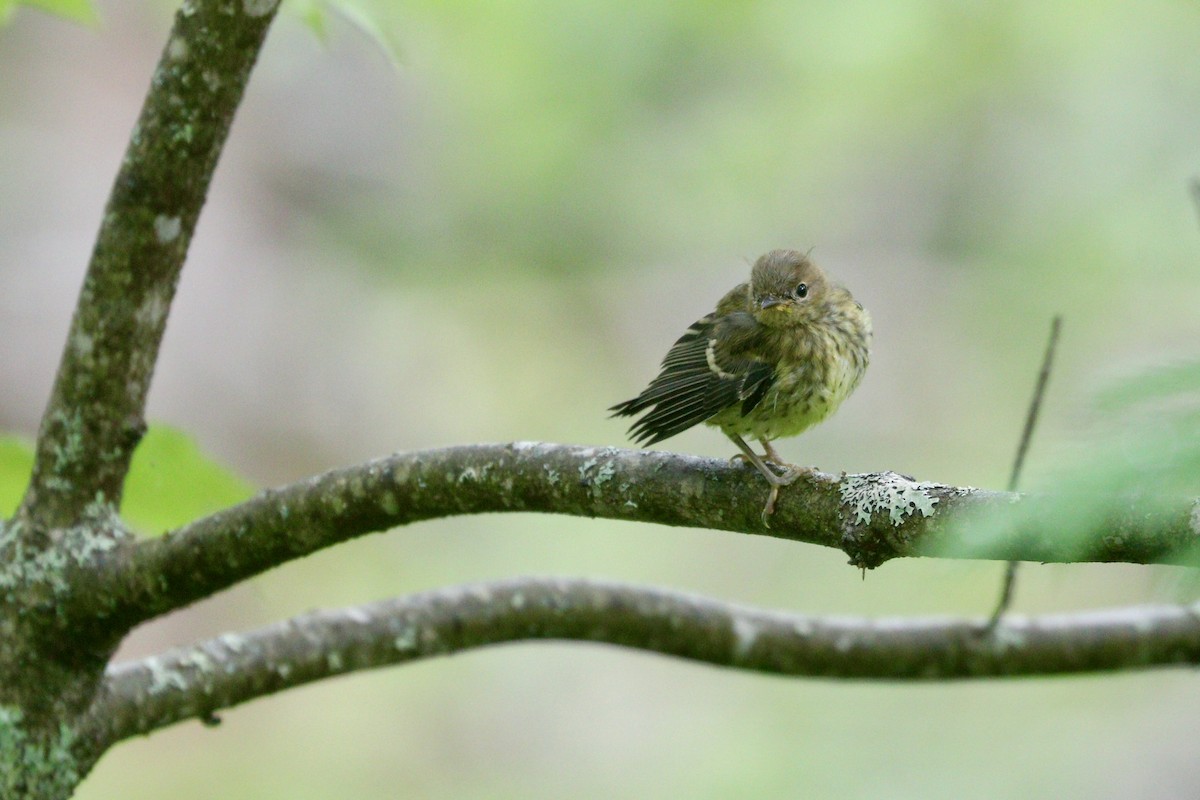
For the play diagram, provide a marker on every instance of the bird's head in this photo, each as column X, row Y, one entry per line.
column 786, row 289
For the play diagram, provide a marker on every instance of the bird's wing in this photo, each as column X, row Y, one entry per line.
column 710, row 368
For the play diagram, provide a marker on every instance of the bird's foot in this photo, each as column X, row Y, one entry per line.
column 777, row 462
column 776, row 471
column 786, row 471
column 791, row 473
column 769, row 508
column 772, row 454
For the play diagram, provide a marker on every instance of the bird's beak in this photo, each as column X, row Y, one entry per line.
column 769, row 302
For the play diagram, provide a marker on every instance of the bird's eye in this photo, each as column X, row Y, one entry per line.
column 802, row 291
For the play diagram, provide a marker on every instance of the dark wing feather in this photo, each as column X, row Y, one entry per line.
column 759, row 378
column 709, row 369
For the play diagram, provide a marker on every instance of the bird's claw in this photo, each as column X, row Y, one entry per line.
column 783, row 467
column 790, row 475
column 769, row 508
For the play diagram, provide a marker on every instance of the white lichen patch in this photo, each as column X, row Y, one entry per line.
column 1012, row 635
column 480, row 592
column 595, row 472
column 177, row 49
column 211, row 79
column 153, row 310
column 745, row 634
column 82, row 344
column 74, row 547
column 70, row 450
column 691, row 486
column 259, row 8
column 401, row 472
column 359, row 616
column 389, row 503
column 899, row 497
column 406, row 640
column 166, row 229
column 198, row 660
column 473, row 475
column 232, row 642
column 182, row 134
column 162, row 677
column 35, row 767
column 803, row 626
column 603, row 476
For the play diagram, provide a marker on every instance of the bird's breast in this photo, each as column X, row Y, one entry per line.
column 816, row 368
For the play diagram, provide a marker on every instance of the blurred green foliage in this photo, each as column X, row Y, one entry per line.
column 1140, row 444
column 170, row 481
column 316, row 16
column 1135, row 445
column 81, row 11
column 574, row 136
column 16, row 462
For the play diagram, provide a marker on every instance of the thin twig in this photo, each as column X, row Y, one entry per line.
column 1035, row 406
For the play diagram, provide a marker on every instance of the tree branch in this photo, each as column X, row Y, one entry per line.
column 199, row 680
column 93, row 420
column 872, row 517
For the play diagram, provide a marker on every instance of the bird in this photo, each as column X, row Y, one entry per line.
column 779, row 354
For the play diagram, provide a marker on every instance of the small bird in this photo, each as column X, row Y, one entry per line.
column 779, row 354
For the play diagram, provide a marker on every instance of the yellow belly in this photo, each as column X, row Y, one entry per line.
column 804, row 393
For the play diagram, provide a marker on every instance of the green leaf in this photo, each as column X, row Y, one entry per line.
column 313, row 14
column 368, row 21
column 1169, row 382
column 1140, row 449
column 368, row 18
column 80, row 11
column 172, row 482
column 16, row 463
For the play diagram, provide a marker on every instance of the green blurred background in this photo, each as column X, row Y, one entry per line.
column 497, row 238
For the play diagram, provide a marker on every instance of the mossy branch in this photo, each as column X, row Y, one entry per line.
column 872, row 517
column 197, row 681
column 94, row 417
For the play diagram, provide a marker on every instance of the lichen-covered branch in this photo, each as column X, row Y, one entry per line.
column 196, row 681
column 50, row 667
column 94, row 416
column 872, row 517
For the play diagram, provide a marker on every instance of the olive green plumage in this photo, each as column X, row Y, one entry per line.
column 779, row 354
